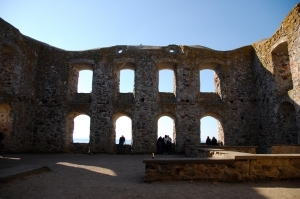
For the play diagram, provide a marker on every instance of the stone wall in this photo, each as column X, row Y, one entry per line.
column 277, row 59
column 39, row 85
column 241, row 168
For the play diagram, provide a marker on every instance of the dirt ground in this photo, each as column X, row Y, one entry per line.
column 121, row 176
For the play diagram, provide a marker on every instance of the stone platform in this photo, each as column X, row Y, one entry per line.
column 225, row 166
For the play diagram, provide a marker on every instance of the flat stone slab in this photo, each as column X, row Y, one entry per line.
column 190, row 161
column 11, row 173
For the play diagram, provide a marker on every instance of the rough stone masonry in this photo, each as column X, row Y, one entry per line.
column 256, row 101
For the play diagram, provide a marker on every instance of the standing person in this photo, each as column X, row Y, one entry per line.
column 214, row 141
column 167, row 144
column 121, row 144
column 208, row 141
column 160, row 145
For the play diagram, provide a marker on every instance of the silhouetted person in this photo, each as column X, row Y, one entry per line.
column 214, row 141
column 121, row 144
column 159, row 143
column 168, row 144
column 208, row 141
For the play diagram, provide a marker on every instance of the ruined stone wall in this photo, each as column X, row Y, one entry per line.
column 39, row 85
column 241, row 168
column 277, row 60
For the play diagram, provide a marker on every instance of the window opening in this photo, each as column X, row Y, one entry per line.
column 165, row 135
column 282, row 71
column 166, row 81
column 85, row 80
column 207, row 80
column 209, row 126
column 5, row 123
column 126, row 81
column 123, row 127
column 165, row 126
column 81, row 133
column 287, row 132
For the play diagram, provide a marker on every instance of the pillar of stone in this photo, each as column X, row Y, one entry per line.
column 101, row 138
column 143, row 131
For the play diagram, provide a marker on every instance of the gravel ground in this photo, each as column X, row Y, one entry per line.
column 121, row 176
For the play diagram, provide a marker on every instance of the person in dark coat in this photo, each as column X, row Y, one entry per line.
column 159, row 143
column 121, row 144
column 208, row 141
column 214, row 141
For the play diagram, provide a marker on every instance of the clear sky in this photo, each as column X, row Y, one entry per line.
column 88, row 24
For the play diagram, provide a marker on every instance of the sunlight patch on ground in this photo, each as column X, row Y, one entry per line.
column 10, row 158
column 96, row 169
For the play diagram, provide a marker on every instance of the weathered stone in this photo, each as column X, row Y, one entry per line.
column 256, row 100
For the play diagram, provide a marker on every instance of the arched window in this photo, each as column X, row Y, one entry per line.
column 287, row 130
column 81, row 133
column 126, row 81
column 123, row 127
column 166, row 81
column 85, row 81
column 165, row 129
column 81, row 76
column 282, row 71
column 5, row 123
column 210, row 82
column 207, row 81
column 209, row 126
column 165, row 126
column 167, row 77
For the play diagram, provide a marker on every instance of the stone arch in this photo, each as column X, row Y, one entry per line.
column 173, row 117
column 76, row 66
column 6, row 123
column 281, row 68
column 70, row 128
column 9, row 78
column 167, row 64
column 221, row 137
column 115, row 118
column 287, row 130
column 214, row 65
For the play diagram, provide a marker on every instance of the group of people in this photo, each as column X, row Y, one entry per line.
column 164, row 145
column 212, row 141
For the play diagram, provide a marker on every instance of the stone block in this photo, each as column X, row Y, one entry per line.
column 281, row 162
column 265, row 161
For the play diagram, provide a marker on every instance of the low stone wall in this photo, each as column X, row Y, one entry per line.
column 240, row 168
column 283, row 149
column 126, row 149
column 80, row 148
column 201, row 151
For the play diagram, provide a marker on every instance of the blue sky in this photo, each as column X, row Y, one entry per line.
column 82, row 25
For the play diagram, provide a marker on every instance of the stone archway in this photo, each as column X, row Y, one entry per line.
column 220, row 133
column 5, row 126
column 287, row 130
